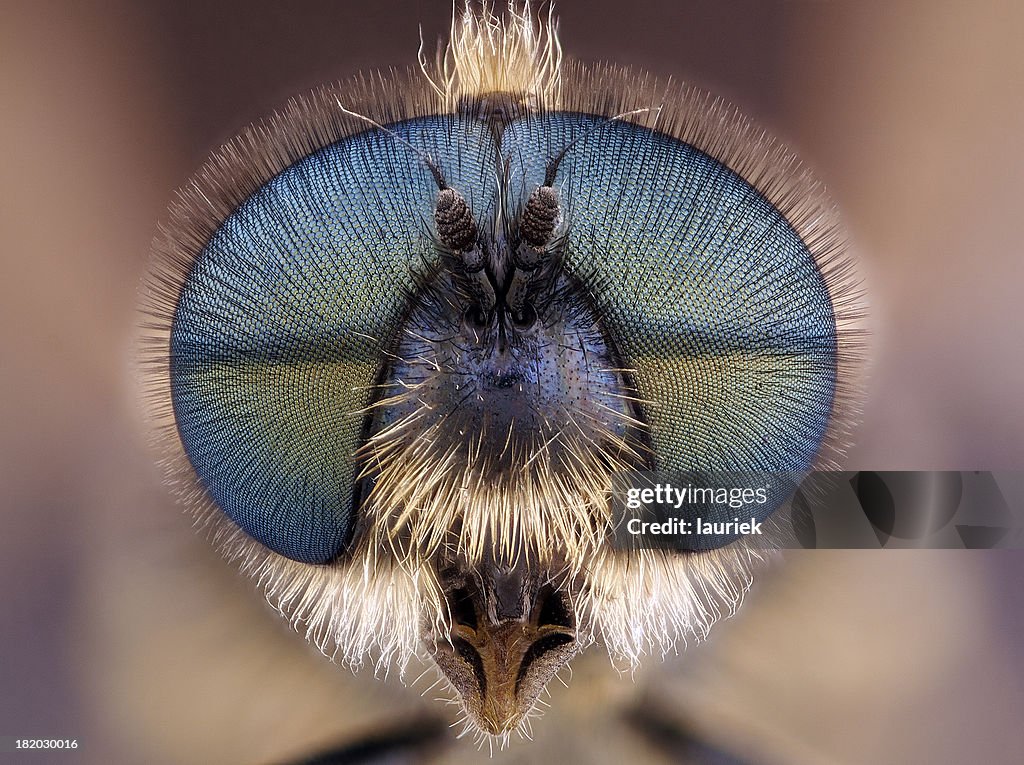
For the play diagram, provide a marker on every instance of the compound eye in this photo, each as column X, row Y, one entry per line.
column 282, row 319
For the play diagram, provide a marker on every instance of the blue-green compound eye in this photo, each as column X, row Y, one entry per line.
column 286, row 319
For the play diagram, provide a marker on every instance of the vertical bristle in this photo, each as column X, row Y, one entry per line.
column 492, row 53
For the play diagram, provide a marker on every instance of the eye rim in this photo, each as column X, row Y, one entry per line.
column 240, row 167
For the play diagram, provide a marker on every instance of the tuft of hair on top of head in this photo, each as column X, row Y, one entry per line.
column 487, row 52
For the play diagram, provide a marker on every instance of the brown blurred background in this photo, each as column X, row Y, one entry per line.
column 119, row 628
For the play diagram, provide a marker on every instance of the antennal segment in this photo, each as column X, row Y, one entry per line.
column 457, row 231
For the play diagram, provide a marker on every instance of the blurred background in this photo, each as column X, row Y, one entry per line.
column 120, row 628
